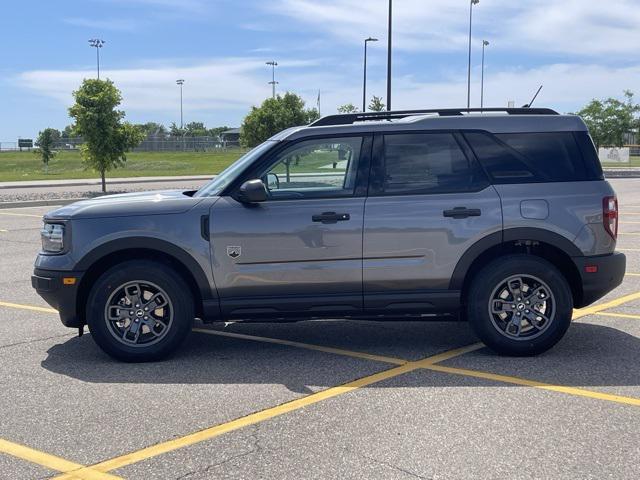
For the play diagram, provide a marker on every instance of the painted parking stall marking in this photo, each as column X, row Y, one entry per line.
column 403, row 366
column 52, row 462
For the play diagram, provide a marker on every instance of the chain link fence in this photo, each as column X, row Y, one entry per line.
column 150, row 144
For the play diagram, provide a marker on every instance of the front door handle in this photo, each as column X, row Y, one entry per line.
column 462, row 212
column 331, row 217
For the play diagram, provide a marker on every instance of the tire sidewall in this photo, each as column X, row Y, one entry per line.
column 496, row 272
column 165, row 278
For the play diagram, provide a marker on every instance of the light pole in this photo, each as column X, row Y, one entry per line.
column 181, row 83
column 364, row 85
column 471, row 4
column 389, row 45
column 484, row 44
column 97, row 44
column 273, row 64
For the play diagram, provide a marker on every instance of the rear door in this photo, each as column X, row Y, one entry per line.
column 299, row 252
column 428, row 203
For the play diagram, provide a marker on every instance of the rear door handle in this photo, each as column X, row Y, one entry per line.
column 331, row 217
column 462, row 212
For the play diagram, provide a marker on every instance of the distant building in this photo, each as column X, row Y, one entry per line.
column 231, row 136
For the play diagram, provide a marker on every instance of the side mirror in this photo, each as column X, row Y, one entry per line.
column 252, row 191
column 273, row 181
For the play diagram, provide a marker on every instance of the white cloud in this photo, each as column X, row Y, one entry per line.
column 417, row 25
column 224, row 84
column 223, row 89
column 567, row 87
column 577, row 27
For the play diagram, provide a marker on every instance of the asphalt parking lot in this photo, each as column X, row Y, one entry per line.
column 329, row 399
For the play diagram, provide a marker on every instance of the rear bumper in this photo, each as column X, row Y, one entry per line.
column 610, row 270
column 50, row 287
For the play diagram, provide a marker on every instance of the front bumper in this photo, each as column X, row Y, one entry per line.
column 64, row 298
column 609, row 273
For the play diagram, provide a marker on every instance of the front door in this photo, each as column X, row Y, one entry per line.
column 299, row 252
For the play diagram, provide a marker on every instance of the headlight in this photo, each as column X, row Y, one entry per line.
column 52, row 235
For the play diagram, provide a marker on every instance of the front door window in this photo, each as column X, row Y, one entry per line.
column 315, row 169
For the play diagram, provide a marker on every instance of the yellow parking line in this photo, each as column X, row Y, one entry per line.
column 629, row 223
column 3, row 230
column 441, row 357
column 628, row 249
column 20, row 214
column 630, row 234
column 338, row 351
column 254, row 418
column 605, row 306
column 632, row 274
column 269, row 413
column 52, row 462
column 535, row 384
column 619, row 315
column 427, row 363
column 28, row 307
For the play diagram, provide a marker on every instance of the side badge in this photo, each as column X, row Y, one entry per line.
column 234, row 252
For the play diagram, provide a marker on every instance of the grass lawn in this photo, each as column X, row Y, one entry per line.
column 633, row 162
column 15, row 166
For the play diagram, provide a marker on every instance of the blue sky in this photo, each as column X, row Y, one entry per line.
column 579, row 49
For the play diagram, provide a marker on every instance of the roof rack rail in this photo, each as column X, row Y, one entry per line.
column 351, row 118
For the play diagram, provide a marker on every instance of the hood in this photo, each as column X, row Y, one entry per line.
column 128, row 204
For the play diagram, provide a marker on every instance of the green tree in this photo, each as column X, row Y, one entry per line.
column 152, row 128
column 67, row 132
column 216, row 131
column 376, row 104
column 348, row 108
column 107, row 138
column 195, row 129
column 176, row 131
column 273, row 116
column 313, row 114
column 45, row 142
column 608, row 120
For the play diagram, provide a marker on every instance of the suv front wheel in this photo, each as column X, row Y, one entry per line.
column 140, row 311
column 520, row 305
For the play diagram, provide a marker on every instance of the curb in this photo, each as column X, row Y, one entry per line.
column 621, row 174
column 40, row 203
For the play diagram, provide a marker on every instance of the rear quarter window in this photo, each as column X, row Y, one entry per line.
column 529, row 157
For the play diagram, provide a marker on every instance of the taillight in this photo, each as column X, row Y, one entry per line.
column 610, row 216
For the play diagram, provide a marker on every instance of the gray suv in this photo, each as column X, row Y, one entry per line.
column 500, row 217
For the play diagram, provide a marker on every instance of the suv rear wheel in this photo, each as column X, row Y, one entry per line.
column 520, row 305
column 140, row 311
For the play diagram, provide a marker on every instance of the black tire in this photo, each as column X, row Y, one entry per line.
column 178, row 313
column 494, row 279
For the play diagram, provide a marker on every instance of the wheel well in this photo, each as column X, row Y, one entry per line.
column 120, row 256
column 530, row 247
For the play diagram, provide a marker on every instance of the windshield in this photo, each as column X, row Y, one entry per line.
column 229, row 174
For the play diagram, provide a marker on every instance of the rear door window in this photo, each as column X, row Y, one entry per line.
column 419, row 163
